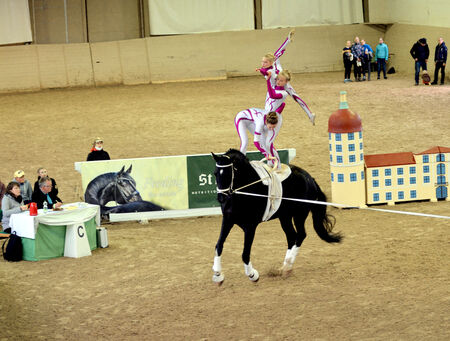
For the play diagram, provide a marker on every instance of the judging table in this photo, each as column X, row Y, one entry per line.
column 44, row 235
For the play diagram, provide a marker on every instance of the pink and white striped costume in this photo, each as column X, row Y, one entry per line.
column 253, row 120
column 275, row 69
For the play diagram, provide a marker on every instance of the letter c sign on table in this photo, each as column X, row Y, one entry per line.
column 80, row 228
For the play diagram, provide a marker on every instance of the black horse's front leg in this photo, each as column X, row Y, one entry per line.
column 218, row 276
column 249, row 236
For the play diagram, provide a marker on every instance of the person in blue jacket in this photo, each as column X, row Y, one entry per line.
column 366, row 59
column 381, row 57
column 440, row 59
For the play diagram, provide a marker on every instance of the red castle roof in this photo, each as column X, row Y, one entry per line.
column 435, row 150
column 392, row 159
column 344, row 121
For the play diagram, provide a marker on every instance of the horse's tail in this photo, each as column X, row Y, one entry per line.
column 323, row 222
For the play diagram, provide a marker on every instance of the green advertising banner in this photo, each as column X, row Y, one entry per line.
column 202, row 183
column 173, row 182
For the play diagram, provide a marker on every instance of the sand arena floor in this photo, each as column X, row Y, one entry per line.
column 388, row 280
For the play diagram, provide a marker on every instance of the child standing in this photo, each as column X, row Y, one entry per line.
column 347, row 57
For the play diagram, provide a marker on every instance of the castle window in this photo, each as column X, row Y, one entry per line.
column 440, row 158
column 399, row 171
column 361, row 157
column 340, row 177
column 401, row 195
column 351, row 158
column 441, row 168
column 387, row 182
column 360, row 134
column 400, row 181
column 338, row 137
column 351, row 136
column 425, row 158
column 353, row 177
column 413, row 194
column 412, row 180
column 376, row 197
column 375, row 183
column 351, row 147
column 339, row 148
column 332, row 177
column 426, row 169
column 374, row 172
column 426, row 179
column 331, row 158
column 387, row 172
column 388, row 196
column 339, row 159
column 441, row 180
column 362, row 175
column 360, row 146
column 412, row 170
column 331, row 147
column 329, row 136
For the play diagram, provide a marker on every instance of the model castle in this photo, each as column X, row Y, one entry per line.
column 360, row 180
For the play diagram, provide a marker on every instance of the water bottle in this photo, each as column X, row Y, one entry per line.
column 45, row 206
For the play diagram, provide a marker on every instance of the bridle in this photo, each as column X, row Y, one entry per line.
column 229, row 191
column 125, row 198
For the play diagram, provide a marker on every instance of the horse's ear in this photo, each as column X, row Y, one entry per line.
column 121, row 171
column 129, row 169
column 215, row 156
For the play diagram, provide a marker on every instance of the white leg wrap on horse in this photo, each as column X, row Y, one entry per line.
column 294, row 252
column 252, row 274
column 217, row 266
column 248, row 268
column 291, row 254
column 286, row 258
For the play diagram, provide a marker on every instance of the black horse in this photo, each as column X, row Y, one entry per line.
column 233, row 171
column 121, row 188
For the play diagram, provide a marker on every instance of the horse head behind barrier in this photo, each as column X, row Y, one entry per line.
column 115, row 186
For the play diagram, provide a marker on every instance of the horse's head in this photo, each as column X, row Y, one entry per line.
column 125, row 187
column 224, row 173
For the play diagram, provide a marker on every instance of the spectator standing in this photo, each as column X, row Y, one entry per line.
column 347, row 57
column 42, row 173
column 420, row 52
column 25, row 186
column 12, row 203
column 357, row 51
column 366, row 59
column 440, row 59
column 97, row 153
column 381, row 57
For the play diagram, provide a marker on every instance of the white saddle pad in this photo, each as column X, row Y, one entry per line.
column 273, row 181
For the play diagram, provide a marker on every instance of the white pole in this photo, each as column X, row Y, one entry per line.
column 65, row 19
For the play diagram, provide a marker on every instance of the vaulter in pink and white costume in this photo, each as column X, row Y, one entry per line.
column 254, row 120
column 274, row 70
column 277, row 92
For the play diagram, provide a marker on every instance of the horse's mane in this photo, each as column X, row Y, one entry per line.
column 237, row 156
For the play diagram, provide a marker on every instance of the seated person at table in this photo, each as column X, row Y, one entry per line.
column 12, row 203
column 25, row 187
column 97, row 153
column 42, row 172
column 44, row 194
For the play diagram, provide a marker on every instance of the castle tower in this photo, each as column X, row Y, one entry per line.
column 346, row 156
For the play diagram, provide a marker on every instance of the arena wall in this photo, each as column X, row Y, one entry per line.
column 196, row 56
